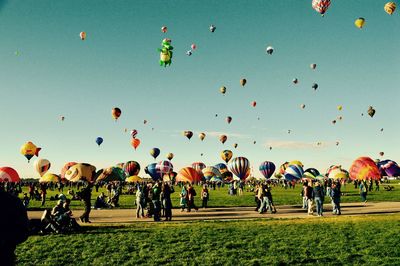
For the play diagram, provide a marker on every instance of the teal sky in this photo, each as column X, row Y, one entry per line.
column 57, row 74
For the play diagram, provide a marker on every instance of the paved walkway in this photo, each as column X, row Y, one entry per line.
column 231, row 213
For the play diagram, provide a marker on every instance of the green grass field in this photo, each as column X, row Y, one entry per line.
column 361, row 240
column 220, row 198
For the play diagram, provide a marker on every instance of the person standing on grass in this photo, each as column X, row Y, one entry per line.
column 319, row 196
column 262, row 198
column 377, row 185
column 86, row 196
column 270, row 205
column 140, row 203
column 335, row 195
column 156, row 202
column 166, row 199
column 256, row 199
column 363, row 191
column 310, row 198
column 43, row 192
column 204, row 196
column 183, row 199
column 303, row 194
column 191, row 192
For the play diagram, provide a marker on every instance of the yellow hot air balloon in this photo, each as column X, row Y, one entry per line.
column 29, row 150
column 222, row 90
column 340, row 107
column 170, row 156
column 202, row 136
column 390, row 7
column 133, row 179
column 49, row 178
column 296, row 163
column 42, row 166
column 359, row 22
column 226, row 155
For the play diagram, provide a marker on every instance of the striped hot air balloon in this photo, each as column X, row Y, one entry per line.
column 198, row 166
column 311, row 173
column 240, row 166
column 164, row 167
column 321, row 6
column 131, row 168
column 390, row 7
column 188, row 174
column 293, row 172
column 152, row 171
column 267, row 169
column 210, row 172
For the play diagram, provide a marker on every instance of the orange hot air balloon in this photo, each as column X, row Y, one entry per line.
column 135, row 143
column 188, row 174
column 116, row 113
column 364, row 168
column 202, row 136
column 82, row 35
column 223, row 138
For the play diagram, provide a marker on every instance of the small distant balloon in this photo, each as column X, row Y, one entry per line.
column 193, row 46
column 222, row 90
column 254, row 103
column 235, row 145
column 254, row 142
column 359, row 23
column 170, row 156
column 337, row 143
column 229, row 119
column 333, row 121
column 188, row 134
column 243, row 82
column 381, row 153
column 62, row 118
column 164, row 29
column 202, row 136
column 302, row 106
column 145, row 121
column 289, row 131
column 82, row 35
column 295, row 81
column 223, row 138
column 371, row 111
column 134, row 132
column 116, row 113
column 270, row 147
column 212, row 28
column 381, row 129
column 269, row 50
column 340, row 107
column 314, row 86
column 313, row 66
column 189, row 53
column 99, row 140
column 390, row 7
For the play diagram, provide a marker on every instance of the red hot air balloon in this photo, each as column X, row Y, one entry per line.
column 116, row 113
column 364, row 168
column 135, row 143
column 254, row 103
column 229, row 119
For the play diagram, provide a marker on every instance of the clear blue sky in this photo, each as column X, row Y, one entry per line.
column 117, row 66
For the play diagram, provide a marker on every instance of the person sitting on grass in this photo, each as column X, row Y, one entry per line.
column 101, row 202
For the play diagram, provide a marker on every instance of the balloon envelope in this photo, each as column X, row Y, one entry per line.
column 188, row 174
column 364, row 168
column 155, row 152
column 81, row 171
column 110, row 174
column 131, row 168
column 240, row 166
column 8, row 174
column 151, row 170
column 133, row 179
column 42, row 166
column 293, row 172
column 267, row 169
column 210, row 172
column 49, row 178
column 164, row 167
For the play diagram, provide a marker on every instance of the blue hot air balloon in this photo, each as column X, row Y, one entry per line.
column 152, row 171
column 99, row 140
column 267, row 169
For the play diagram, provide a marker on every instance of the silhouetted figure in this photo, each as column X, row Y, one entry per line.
column 13, row 227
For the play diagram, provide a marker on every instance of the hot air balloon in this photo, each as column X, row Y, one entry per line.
column 81, row 171
column 313, row 66
column 145, row 121
column 267, row 169
column 390, row 7
column 82, row 35
column 170, row 156
column 188, row 174
column 212, row 28
column 42, row 166
column 321, row 6
column 371, row 111
column 152, row 171
column 116, row 113
column 221, row 167
column 302, row 106
column 235, row 145
column 337, row 143
column 164, row 167
column 198, row 166
column 293, row 172
column 295, row 81
column 364, row 168
column 193, row 46
column 359, row 23
column 338, row 173
column 189, row 52
column 226, row 155
column 49, row 178
column 333, row 121
column 254, row 142
column 223, row 138
column 381, row 153
column 243, row 82
column 8, row 174
column 254, row 103
column 228, row 119
column 389, row 168
column 210, row 172
column 110, row 174
column 296, row 163
column 155, row 152
column 29, row 150
column 240, row 166
column 131, row 168
column 135, row 143
column 134, row 132
column 314, row 86
column 202, row 136
column 340, row 107
column 99, row 140
column 188, row 134
column 164, row 29
column 222, row 90
column 65, row 168
column 311, row 173
column 134, row 179
column 283, row 167
column 62, row 118
column 269, row 50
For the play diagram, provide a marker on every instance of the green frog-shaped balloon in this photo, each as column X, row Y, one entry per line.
column 165, row 52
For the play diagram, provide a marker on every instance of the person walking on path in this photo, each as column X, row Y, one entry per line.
column 319, row 196
column 363, row 191
column 335, row 195
column 183, row 198
column 310, row 198
column 191, row 194
column 204, row 196
column 303, row 194
column 140, row 202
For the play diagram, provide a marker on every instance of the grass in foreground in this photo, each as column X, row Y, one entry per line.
column 220, row 197
column 361, row 240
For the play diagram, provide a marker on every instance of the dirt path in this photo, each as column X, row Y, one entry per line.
column 129, row 215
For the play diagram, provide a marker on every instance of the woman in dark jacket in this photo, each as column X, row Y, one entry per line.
column 319, row 196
